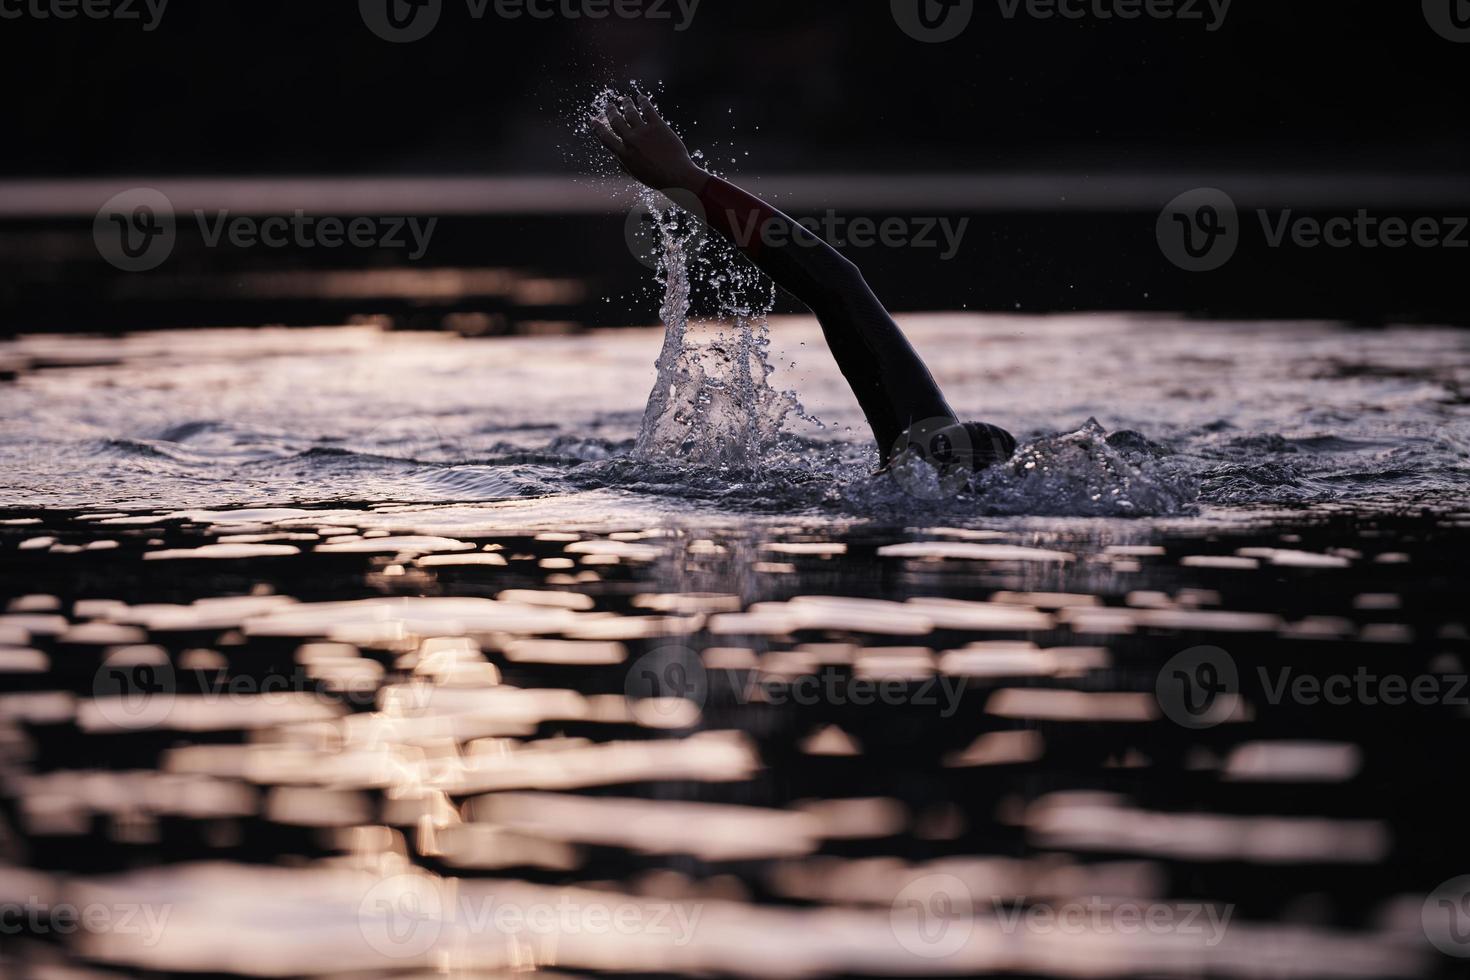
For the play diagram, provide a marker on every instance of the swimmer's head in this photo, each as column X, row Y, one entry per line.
column 989, row 444
column 949, row 445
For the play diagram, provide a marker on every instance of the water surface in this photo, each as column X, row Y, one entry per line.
column 339, row 653
column 1189, row 415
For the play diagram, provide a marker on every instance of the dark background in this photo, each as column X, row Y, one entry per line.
column 240, row 86
column 285, row 87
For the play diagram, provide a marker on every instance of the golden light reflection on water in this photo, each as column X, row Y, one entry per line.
column 660, row 769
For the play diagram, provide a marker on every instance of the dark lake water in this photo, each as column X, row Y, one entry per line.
column 334, row 653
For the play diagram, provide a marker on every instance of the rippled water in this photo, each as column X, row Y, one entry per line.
column 348, row 654
column 1188, row 417
column 334, row 653
column 445, row 739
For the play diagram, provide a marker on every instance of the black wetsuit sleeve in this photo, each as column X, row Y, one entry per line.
column 891, row 382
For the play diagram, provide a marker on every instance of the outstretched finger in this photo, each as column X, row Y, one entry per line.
column 605, row 135
column 617, row 122
column 612, row 107
column 631, row 113
column 646, row 106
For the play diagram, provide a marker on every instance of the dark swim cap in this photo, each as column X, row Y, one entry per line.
column 989, row 444
column 947, row 444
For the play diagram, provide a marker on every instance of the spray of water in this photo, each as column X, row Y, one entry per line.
column 1089, row 472
column 712, row 403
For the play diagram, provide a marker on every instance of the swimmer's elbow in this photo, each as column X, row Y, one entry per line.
column 848, row 273
column 846, row 285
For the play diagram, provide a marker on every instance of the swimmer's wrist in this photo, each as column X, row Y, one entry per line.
column 694, row 179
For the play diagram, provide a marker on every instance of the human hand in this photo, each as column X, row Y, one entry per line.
column 645, row 146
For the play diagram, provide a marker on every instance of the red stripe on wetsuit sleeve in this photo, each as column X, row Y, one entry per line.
column 735, row 214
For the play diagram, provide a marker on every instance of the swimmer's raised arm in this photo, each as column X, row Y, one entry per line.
column 897, row 393
column 650, row 152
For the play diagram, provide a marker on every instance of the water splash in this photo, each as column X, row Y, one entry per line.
column 1090, row 473
column 713, row 410
column 712, row 403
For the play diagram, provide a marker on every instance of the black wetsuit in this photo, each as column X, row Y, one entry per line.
column 892, row 384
